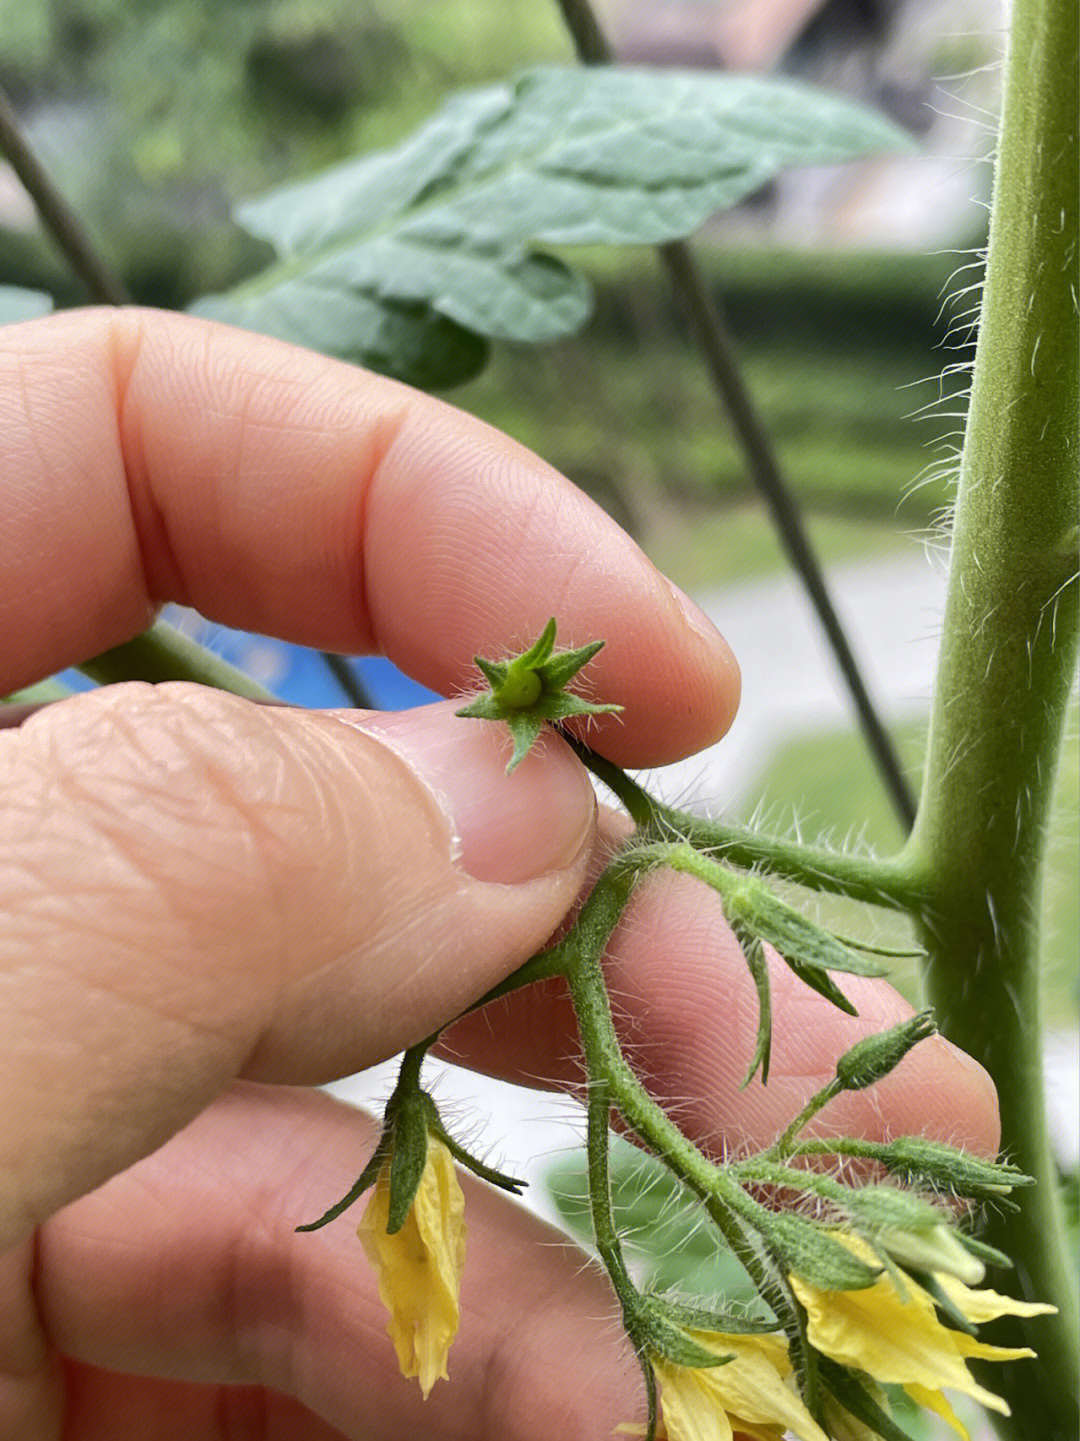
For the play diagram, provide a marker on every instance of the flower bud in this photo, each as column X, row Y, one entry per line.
column 529, row 689
column 921, row 1162
column 935, row 1250
column 871, row 1059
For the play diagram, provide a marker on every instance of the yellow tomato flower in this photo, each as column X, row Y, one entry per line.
column 420, row 1266
column 902, row 1341
column 748, row 1396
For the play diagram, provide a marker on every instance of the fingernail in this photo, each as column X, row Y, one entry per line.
column 506, row 828
column 696, row 618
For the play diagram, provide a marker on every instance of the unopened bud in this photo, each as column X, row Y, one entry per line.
column 871, row 1059
column 920, row 1161
column 935, row 1250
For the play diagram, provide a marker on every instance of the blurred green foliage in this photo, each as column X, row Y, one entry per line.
column 667, row 1237
column 155, row 116
column 838, row 350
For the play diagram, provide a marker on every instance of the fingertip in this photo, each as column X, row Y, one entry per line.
column 970, row 1092
column 503, row 542
column 689, row 688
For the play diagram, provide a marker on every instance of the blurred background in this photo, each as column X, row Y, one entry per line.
column 847, row 290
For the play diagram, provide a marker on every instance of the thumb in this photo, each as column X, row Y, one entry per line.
column 194, row 888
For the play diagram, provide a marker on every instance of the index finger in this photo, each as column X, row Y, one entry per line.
column 152, row 457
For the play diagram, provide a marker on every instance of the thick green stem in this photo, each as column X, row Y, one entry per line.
column 1007, row 663
column 603, row 1220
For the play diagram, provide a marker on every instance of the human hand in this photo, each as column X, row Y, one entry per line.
column 208, row 904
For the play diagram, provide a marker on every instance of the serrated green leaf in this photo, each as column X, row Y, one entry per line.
column 18, row 304
column 395, row 259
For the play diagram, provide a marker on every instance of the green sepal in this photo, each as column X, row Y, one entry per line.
column 893, row 953
column 950, row 1312
column 486, row 1173
column 702, row 1318
column 811, row 1253
column 853, row 1396
column 818, row 980
column 494, row 671
column 409, row 1156
column 979, row 1249
column 529, row 689
column 872, row 1058
column 795, row 936
column 525, row 730
column 539, row 651
column 752, row 909
column 758, row 967
column 562, row 668
column 655, row 1334
column 898, row 1278
column 366, row 1179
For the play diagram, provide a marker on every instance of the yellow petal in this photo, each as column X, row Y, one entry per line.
column 902, row 1341
column 691, row 1412
column 984, row 1305
column 935, row 1401
column 748, row 1394
column 420, row 1266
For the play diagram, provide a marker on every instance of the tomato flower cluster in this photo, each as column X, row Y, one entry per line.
column 862, row 1284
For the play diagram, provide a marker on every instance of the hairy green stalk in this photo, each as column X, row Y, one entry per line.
column 1007, row 662
column 891, row 882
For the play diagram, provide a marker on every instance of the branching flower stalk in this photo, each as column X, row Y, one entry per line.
column 856, row 1282
column 901, row 1240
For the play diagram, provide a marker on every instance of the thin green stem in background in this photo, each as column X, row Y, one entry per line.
column 1007, row 663
column 710, row 332
column 354, row 689
column 56, row 216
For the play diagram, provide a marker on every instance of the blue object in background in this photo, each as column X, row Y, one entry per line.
column 292, row 672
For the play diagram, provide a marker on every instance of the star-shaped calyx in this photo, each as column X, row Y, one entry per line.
column 529, row 689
